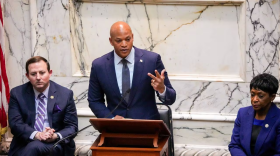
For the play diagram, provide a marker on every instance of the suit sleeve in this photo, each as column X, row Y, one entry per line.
column 277, row 139
column 70, row 119
column 235, row 147
column 170, row 94
column 96, row 96
column 18, row 127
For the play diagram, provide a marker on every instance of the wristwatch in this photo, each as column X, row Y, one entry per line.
column 58, row 137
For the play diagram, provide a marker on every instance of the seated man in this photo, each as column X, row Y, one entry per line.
column 40, row 113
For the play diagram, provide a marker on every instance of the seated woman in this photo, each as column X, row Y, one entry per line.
column 256, row 129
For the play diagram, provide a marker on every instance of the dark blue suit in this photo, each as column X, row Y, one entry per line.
column 22, row 116
column 142, row 102
column 268, row 141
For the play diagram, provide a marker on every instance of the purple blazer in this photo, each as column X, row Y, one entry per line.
column 268, row 141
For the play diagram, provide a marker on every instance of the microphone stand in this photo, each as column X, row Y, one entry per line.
column 51, row 152
column 118, row 103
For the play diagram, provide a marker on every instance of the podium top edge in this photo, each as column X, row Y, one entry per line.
column 130, row 126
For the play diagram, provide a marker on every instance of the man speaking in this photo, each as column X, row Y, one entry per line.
column 130, row 75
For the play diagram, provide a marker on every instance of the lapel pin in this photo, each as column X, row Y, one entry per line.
column 141, row 60
column 51, row 97
column 266, row 125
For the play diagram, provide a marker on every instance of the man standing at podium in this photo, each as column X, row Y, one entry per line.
column 130, row 75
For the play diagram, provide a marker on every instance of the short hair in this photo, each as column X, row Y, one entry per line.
column 265, row 82
column 34, row 60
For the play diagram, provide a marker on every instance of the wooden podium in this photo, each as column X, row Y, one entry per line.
column 130, row 137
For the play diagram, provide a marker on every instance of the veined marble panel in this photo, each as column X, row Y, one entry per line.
column 210, row 97
column 262, row 39
column 53, row 35
column 79, row 85
column 202, row 133
column 17, row 39
column 50, row 24
column 194, row 41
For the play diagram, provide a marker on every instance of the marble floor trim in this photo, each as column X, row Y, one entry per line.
column 82, row 149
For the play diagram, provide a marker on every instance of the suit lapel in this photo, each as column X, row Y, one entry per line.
column 52, row 96
column 137, row 73
column 248, row 123
column 269, row 121
column 110, row 67
column 30, row 101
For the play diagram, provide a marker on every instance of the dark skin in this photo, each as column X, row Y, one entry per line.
column 157, row 81
column 261, row 102
column 121, row 38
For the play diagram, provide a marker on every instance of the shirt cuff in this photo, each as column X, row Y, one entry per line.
column 162, row 95
column 59, row 135
column 33, row 135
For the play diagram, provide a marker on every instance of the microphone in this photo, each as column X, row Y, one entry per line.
column 125, row 94
column 51, row 152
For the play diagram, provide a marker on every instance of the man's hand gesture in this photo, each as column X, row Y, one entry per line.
column 157, row 81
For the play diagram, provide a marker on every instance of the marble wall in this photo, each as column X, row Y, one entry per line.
column 211, row 53
column 173, row 31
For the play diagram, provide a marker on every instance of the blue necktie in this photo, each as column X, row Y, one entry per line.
column 125, row 80
column 41, row 110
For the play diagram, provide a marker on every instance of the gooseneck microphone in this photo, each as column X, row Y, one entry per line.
column 125, row 94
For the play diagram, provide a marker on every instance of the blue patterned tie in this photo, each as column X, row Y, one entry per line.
column 125, row 80
column 41, row 110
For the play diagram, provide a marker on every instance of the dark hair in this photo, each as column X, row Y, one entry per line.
column 265, row 82
column 34, row 60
